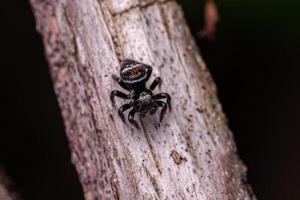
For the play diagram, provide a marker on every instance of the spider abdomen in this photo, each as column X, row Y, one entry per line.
column 133, row 72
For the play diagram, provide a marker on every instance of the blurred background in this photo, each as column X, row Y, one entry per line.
column 254, row 61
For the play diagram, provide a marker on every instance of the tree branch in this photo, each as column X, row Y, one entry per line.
column 191, row 155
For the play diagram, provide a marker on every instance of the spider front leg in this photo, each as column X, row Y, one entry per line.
column 163, row 110
column 155, row 83
column 149, row 72
column 164, row 95
column 121, row 83
column 131, row 118
column 123, row 108
column 116, row 93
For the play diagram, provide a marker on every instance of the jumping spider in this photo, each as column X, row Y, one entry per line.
column 133, row 77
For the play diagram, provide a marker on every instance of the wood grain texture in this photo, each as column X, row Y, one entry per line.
column 191, row 155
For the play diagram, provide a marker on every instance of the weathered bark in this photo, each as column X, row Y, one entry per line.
column 191, row 155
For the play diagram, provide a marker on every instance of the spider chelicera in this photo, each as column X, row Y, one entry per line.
column 133, row 77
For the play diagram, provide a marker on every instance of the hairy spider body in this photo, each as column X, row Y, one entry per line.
column 133, row 77
column 145, row 103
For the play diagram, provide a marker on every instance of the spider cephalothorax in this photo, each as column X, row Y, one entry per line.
column 133, row 77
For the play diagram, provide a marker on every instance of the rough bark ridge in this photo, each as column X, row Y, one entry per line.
column 191, row 155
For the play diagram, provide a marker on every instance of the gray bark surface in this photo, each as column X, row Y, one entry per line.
column 190, row 155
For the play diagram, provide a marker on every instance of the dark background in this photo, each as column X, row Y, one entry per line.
column 254, row 62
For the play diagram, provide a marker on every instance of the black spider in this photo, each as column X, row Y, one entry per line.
column 133, row 77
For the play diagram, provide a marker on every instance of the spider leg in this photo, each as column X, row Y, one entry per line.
column 153, row 111
column 163, row 110
column 131, row 118
column 156, row 82
column 116, row 93
column 149, row 71
column 123, row 108
column 164, row 95
column 121, row 83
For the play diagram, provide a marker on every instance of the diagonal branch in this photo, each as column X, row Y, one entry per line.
column 191, row 155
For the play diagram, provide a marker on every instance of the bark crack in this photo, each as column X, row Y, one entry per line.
column 153, row 153
column 153, row 181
